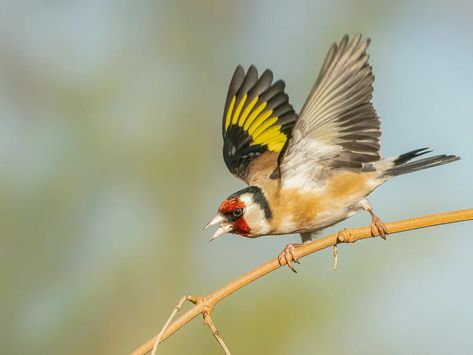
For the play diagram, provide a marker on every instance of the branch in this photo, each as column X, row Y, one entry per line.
column 347, row 236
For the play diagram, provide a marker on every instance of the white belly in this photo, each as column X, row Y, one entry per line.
column 331, row 217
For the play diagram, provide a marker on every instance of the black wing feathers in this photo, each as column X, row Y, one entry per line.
column 257, row 118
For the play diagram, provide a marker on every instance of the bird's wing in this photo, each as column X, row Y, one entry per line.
column 338, row 127
column 257, row 120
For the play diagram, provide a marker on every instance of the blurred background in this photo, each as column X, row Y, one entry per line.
column 110, row 157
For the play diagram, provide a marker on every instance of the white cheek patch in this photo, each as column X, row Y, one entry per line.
column 254, row 216
column 247, row 199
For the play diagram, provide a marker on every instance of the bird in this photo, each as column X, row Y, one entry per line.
column 307, row 171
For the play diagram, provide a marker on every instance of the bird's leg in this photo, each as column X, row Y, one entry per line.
column 377, row 226
column 287, row 255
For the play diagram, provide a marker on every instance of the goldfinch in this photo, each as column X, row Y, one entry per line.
column 309, row 171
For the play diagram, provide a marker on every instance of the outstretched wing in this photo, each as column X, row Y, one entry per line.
column 257, row 119
column 338, row 127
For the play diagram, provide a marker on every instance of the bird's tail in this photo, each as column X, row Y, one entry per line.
column 403, row 164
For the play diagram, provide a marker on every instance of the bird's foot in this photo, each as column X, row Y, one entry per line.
column 378, row 227
column 287, row 256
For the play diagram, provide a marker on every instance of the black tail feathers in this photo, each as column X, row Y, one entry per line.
column 403, row 166
column 404, row 158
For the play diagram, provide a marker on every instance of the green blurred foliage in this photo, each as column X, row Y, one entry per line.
column 111, row 163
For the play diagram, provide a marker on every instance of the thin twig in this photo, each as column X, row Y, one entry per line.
column 308, row 248
column 171, row 317
column 342, row 236
column 335, row 257
column 209, row 322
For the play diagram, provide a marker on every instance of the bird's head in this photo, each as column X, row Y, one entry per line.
column 245, row 212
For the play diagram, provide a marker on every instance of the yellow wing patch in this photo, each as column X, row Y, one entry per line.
column 247, row 111
column 229, row 112
column 256, row 120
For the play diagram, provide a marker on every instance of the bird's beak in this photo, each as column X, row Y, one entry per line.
column 224, row 228
column 221, row 231
column 216, row 220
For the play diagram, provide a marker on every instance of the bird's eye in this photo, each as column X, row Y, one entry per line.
column 238, row 212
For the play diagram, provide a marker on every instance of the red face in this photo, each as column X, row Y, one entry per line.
column 233, row 209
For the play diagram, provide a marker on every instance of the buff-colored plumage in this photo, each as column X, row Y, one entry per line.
column 308, row 171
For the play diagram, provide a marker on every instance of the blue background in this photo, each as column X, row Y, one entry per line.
column 110, row 157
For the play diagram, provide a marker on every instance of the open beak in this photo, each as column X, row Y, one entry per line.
column 224, row 228
column 216, row 220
